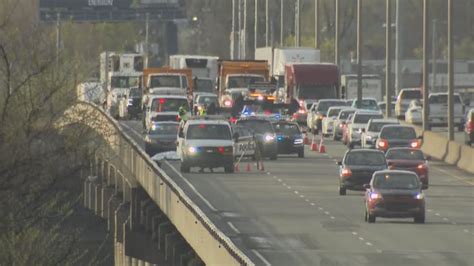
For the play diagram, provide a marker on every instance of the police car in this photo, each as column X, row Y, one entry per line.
column 244, row 141
column 206, row 144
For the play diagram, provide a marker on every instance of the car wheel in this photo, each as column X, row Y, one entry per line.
column 420, row 218
column 342, row 191
column 184, row 168
column 370, row 218
column 229, row 169
column 301, row 154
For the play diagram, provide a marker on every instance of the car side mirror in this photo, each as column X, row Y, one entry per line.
column 236, row 136
column 366, row 186
column 339, row 163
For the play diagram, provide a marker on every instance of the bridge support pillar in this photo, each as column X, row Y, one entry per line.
column 107, row 194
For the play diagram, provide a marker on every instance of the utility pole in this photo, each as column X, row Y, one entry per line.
column 147, row 45
column 281, row 22
column 232, row 35
column 398, row 43
column 450, row 72
column 255, row 30
column 426, row 110
column 316, row 24
column 433, row 56
column 359, row 51
column 266, row 22
column 244, row 33
column 336, row 33
column 239, row 52
column 297, row 23
column 58, row 37
column 388, row 58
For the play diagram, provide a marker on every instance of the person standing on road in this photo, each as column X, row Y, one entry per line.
column 182, row 112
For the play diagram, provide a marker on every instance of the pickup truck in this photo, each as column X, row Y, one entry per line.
column 439, row 110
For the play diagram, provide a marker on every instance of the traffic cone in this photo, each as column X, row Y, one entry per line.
column 306, row 139
column 236, row 167
column 322, row 148
column 249, row 167
column 314, row 144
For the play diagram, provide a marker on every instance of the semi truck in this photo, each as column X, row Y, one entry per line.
column 278, row 58
column 371, row 86
column 234, row 78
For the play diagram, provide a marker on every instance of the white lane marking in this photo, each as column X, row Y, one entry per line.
column 368, row 243
column 296, row 192
column 192, row 187
column 463, row 179
column 260, row 256
column 445, row 219
column 430, row 210
column 466, row 231
column 307, row 200
column 332, row 217
column 320, row 208
column 279, row 180
column 231, row 225
column 136, row 133
column 288, row 187
column 361, row 238
column 284, row 184
column 268, row 173
column 354, row 233
column 437, row 214
column 301, row 196
column 326, row 212
column 378, row 251
column 274, row 176
column 312, row 204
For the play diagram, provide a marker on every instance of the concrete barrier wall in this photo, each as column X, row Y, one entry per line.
column 466, row 160
column 434, row 145
column 454, row 153
column 137, row 169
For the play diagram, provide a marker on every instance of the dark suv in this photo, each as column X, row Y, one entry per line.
column 265, row 134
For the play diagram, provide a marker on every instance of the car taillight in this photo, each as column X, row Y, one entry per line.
column 301, row 111
column 470, row 126
column 178, row 118
column 383, row 144
column 233, row 120
column 346, row 172
column 421, row 166
column 228, row 103
column 415, row 144
column 221, row 150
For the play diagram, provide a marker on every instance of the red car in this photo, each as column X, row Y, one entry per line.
column 409, row 159
column 394, row 194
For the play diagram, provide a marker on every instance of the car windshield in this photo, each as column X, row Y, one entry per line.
column 259, row 126
column 316, row 92
column 443, row 99
column 404, row 154
column 334, row 112
column 123, row 82
column 208, row 131
column 243, row 81
column 411, row 94
column 165, row 81
column 364, row 118
column 168, row 104
column 377, row 126
column 396, row 181
column 366, row 104
column 406, row 133
column 207, row 99
column 365, row 158
column 345, row 114
column 287, row 129
column 164, row 129
column 203, row 85
column 135, row 92
column 323, row 106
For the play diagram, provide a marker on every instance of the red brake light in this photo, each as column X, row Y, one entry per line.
column 346, row 172
column 221, row 149
column 177, row 118
column 202, row 126
column 470, row 125
column 233, row 120
column 301, row 111
column 162, row 101
column 227, row 103
column 383, row 144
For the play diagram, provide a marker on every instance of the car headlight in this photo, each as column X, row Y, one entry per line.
column 269, row 138
column 298, row 141
column 420, row 196
column 147, row 139
column 192, row 150
column 375, row 195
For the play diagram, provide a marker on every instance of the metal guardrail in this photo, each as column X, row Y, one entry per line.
column 211, row 244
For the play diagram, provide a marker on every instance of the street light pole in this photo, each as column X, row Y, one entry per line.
column 297, row 23
column 450, row 73
column 426, row 105
column 281, row 22
column 336, row 34
column 58, row 37
column 398, row 43
column 244, row 35
column 316, row 24
column 255, row 34
column 147, row 21
column 232, row 35
column 433, row 56
column 359, row 51
column 266, row 22
column 388, row 58
column 239, row 51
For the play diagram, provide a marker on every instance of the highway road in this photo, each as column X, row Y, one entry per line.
column 291, row 214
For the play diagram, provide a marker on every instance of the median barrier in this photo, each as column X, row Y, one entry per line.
column 454, row 152
column 466, row 160
column 434, row 145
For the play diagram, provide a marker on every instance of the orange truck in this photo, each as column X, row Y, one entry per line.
column 234, row 78
column 166, row 80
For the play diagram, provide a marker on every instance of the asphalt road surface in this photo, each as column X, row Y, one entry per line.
column 291, row 213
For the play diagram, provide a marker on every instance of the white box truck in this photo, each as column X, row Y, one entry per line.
column 371, row 86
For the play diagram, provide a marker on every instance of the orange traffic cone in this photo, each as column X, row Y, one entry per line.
column 314, row 144
column 236, row 167
column 249, row 167
column 306, row 139
column 322, row 148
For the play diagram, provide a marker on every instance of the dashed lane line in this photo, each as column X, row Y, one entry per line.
column 231, row 225
column 261, row 257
